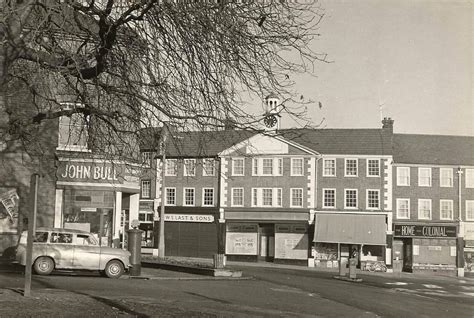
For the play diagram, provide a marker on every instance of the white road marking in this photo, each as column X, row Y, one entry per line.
column 469, row 294
column 432, row 286
column 398, row 283
column 467, row 287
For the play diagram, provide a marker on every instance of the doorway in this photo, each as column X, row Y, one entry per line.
column 266, row 234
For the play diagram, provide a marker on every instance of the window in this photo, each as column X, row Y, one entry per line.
column 255, row 167
column 403, row 208
column 170, row 196
column 350, row 168
column 446, row 209
column 266, row 197
column 73, row 130
column 424, row 209
column 329, row 167
column 208, row 197
column 61, row 238
column 350, row 198
column 279, row 171
column 208, row 167
column 469, row 178
column 188, row 196
column 329, row 198
column 296, row 166
column 145, row 216
column 238, row 167
column 297, row 197
column 146, row 188
column 403, row 176
column 267, row 167
column 469, row 210
column 171, row 167
column 424, row 177
column 189, row 167
column 373, row 199
column 237, row 197
column 445, row 177
column 85, row 239
column 146, row 158
column 373, row 168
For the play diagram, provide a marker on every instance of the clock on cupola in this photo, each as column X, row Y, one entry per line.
column 271, row 118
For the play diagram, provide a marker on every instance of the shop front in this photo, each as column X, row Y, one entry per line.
column 97, row 197
column 338, row 237
column 279, row 237
column 469, row 247
column 189, row 232
column 425, row 247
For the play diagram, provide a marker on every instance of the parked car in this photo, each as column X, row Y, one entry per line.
column 55, row 248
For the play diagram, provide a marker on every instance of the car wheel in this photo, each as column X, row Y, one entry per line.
column 114, row 269
column 43, row 265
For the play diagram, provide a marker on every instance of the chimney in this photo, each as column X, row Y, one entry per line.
column 387, row 123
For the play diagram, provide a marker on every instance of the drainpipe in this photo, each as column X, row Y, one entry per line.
column 460, row 234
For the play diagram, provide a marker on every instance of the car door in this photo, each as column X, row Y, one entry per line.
column 86, row 252
column 61, row 249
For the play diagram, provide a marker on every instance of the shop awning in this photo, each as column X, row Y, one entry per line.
column 350, row 228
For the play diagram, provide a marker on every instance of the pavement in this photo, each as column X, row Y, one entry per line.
column 46, row 302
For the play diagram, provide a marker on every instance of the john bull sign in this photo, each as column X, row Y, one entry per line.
column 90, row 172
column 424, row 231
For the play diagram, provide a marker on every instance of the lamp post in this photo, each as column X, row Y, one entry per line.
column 161, row 238
column 460, row 234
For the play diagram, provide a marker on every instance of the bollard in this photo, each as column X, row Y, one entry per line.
column 219, row 261
column 134, row 247
column 342, row 266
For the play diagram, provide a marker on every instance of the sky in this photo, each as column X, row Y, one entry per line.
column 414, row 57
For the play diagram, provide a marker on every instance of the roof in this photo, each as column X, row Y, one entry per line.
column 433, row 149
column 342, row 141
column 201, row 143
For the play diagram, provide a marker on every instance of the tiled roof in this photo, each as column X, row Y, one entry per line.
column 202, row 143
column 342, row 141
column 433, row 149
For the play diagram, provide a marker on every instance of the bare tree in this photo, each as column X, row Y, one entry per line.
column 124, row 65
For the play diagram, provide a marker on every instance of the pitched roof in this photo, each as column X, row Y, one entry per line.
column 199, row 143
column 343, row 141
column 433, row 149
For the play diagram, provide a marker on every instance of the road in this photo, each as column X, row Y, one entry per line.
column 269, row 293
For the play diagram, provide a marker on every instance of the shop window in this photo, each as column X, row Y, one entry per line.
column 424, row 177
column 350, row 199
column 170, row 196
column 296, row 166
column 445, row 177
column 403, row 208
column 329, row 167
column 446, row 209
column 208, row 197
column 238, row 167
column 189, row 167
column 237, row 198
column 188, row 196
column 325, row 252
column 350, row 167
column 372, row 253
column 297, row 198
column 373, row 199
column 171, row 167
column 403, row 176
column 373, row 168
column 469, row 178
column 424, row 209
column 329, row 198
column 146, row 189
column 208, row 167
column 469, row 210
column 145, row 216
